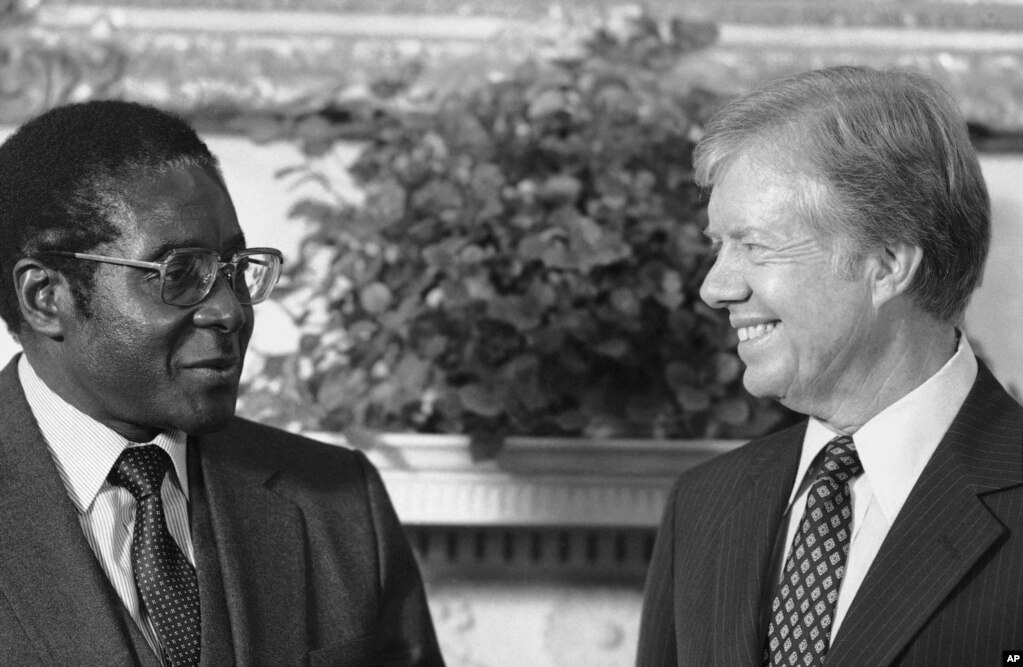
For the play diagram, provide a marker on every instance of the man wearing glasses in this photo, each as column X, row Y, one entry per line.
column 140, row 521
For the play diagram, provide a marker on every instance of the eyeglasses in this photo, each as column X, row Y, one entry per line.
column 187, row 275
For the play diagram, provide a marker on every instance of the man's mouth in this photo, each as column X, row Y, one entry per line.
column 218, row 363
column 756, row 331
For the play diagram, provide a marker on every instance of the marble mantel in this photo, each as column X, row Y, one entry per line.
column 538, row 556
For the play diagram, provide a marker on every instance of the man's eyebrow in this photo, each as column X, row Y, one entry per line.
column 735, row 233
column 743, row 233
column 231, row 245
column 236, row 242
column 164, row 248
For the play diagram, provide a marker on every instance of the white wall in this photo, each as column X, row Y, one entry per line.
column 994, row 319
column 995, row 316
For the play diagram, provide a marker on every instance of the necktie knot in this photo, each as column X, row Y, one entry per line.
column 841, row 461
column 140, row 470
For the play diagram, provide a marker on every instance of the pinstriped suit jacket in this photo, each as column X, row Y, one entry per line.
column 946, row 588
column 299, row 555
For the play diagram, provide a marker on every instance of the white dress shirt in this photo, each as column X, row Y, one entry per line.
column 85, row 451
column 894, row 447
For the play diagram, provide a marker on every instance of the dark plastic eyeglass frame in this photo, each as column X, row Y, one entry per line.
column 161, row 266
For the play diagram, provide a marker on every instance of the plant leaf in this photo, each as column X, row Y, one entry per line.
column 375, row 297
column 480, row 400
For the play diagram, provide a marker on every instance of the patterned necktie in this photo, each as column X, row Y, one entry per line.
column 165, row 579
column 804, row 604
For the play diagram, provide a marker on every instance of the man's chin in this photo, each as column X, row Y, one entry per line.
column 761, row 386
column 209, row 420
column 207, row 428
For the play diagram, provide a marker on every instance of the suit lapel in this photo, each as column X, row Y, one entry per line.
column 50, row 576
column 257, row 533
column 940, row 534
column 217, row 648
column 745, row 546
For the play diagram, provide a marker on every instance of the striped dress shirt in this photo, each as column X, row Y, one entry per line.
column 84, row 451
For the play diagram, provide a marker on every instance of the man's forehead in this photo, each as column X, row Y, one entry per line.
column 738, row 212
column 754, row 198
column 179, row 208
column 180, row 186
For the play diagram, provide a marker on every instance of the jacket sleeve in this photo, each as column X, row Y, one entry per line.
column 405, row 628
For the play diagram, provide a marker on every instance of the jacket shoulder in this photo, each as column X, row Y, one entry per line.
column 731, row 470
column 258, row 450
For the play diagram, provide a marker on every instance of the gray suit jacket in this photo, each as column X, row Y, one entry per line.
column 300, row 557
column 946, row 588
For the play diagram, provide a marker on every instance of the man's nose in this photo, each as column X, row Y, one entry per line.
column 221, row 307
column 725, row 283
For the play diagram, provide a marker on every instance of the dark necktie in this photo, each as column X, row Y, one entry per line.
column 165, row 579
column 804, row 604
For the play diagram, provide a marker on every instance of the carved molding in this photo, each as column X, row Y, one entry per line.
column 216, row 61
column 492, row 498
column 534, row 482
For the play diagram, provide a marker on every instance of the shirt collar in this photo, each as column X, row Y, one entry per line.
column 83, row 449
column 896, row 444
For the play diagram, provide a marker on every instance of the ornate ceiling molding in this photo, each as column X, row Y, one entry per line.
column 216, row 61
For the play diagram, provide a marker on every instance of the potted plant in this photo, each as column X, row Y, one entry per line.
column 525, row 260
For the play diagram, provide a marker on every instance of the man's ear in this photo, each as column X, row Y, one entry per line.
column 40, row 290
column 896, row 267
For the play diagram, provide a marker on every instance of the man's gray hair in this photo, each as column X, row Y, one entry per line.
column 886, row 158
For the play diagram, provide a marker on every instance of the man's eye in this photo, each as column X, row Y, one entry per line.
column 179, row 271
column 175, row 274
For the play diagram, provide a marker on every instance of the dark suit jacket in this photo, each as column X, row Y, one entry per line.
column 300, row 557
column 946, row 588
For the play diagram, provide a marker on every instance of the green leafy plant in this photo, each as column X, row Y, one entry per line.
column 526, row 260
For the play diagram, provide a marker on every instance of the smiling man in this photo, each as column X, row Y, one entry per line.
column 141, row 522
column 851, row 222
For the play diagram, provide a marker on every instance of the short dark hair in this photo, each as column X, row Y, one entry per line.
column 63, row 178
column 892, row 157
